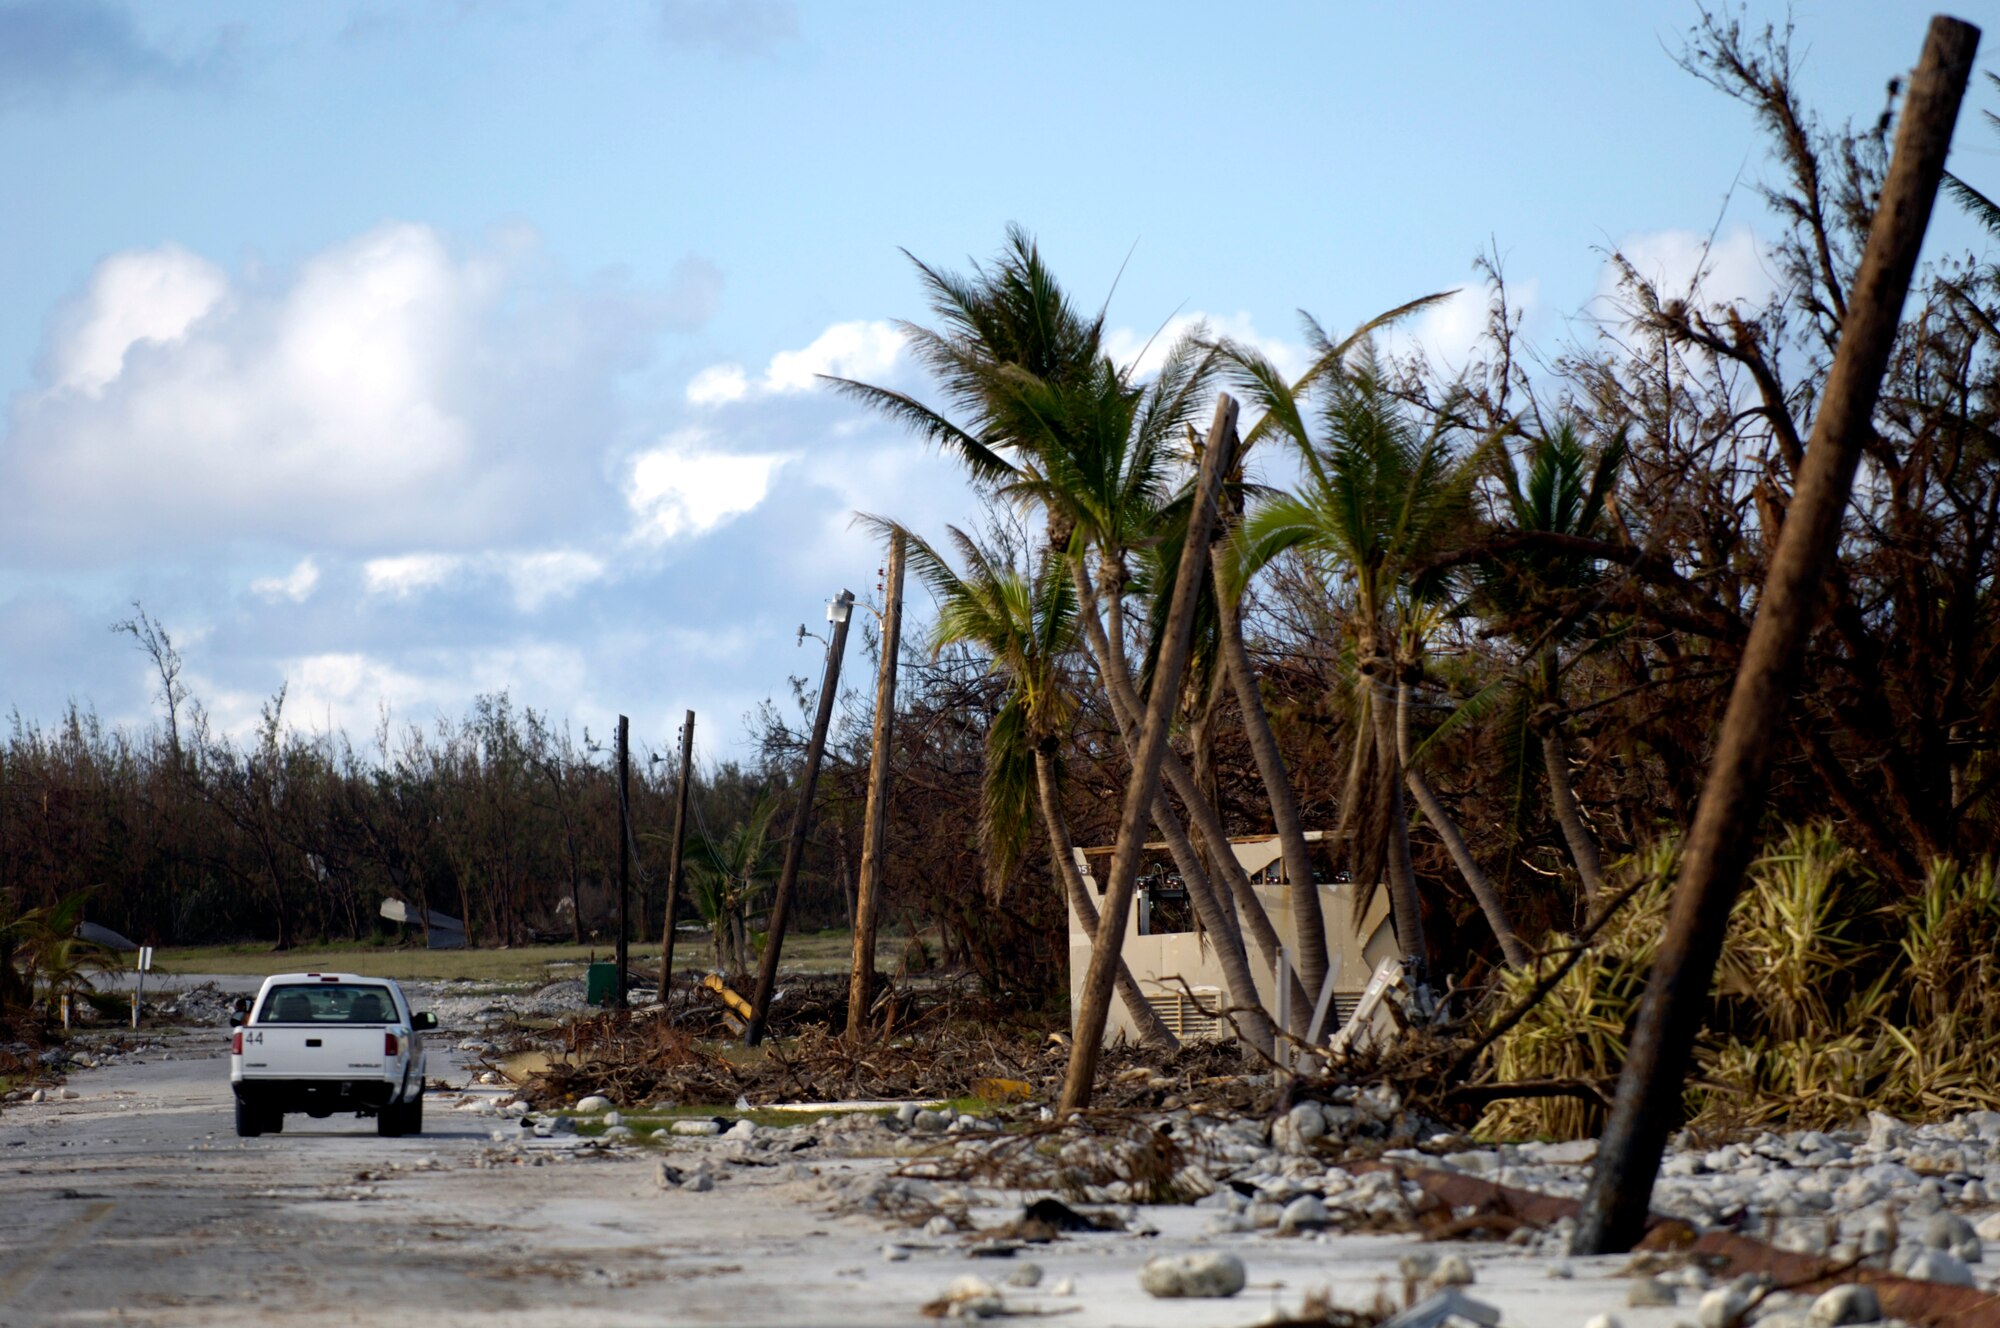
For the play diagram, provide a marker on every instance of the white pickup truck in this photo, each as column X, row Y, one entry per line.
column 326, row 1042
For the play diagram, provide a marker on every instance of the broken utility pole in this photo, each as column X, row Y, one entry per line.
column 868, row 895
column 624, row 850
column 838, row 611
column 1147, row 754
column 674, row 863
column 1720, row 841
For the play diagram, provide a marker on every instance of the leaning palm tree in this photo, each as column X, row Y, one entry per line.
column 1026, row 629
column 1052, row 424
column 1378, row 494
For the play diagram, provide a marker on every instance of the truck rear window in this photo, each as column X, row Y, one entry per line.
column 327, row 1003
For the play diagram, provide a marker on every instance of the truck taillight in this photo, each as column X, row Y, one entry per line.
column 236, row 1043
column 390, row 1044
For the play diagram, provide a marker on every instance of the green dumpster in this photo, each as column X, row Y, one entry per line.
column 600, row 985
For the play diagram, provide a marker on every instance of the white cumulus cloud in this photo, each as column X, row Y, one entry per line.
column 861, row 350
column 684, row 486
column 1144, row 351
column 148, row 297
column 1688, row 265
column 550, row 574
column 718, row 385
column 406, row 574
column 296, row 585
column 393, row 389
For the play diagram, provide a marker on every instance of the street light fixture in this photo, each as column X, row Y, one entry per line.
column 840, row 606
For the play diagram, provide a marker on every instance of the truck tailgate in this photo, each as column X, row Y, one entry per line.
column 324, row 1051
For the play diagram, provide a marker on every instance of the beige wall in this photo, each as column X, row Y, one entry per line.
column 1161, row 964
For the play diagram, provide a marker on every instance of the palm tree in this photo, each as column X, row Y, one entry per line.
column 723, row 880
column 40, row 948
column 1377, row 496
column 1026, row 629
column 1053, row 424
column 1540, row 588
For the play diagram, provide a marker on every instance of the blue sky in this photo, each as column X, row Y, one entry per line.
column 399, row 352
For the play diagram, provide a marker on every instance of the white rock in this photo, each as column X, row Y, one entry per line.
column 618, row 1132
column 515, row 1108
column 1262, row 1214
column 1452, row 1270
column 1647, row 1290
column 695, row 1127
column 1064, row 1286
column 895, row 1254
column 1940, row 1266
column 1602, row 1321
column 742, row 1129
column 1988, row 1226
column 1475, row 1161
column 906, row 1112
column 37, row 1096
column 973, row 1298
column 613, row 1118
column 1945, row 1230
column 593, row 1104
column 1305, row 1213
column 1571, row 1153
column 1295, row 1131
column 940, row 1226
column 1854, row 1302
column 489, row 1077
column 1722, row 1307
column 1885, row 1132
column 1027, row 1275
column 1203, row 1276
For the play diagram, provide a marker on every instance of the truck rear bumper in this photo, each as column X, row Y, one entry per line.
column 318, row 1096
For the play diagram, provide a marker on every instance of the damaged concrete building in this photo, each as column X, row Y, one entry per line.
column 1176, row 965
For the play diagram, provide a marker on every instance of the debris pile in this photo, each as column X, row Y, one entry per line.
column 204, row 1005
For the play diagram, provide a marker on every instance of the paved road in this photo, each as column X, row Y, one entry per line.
column 136, row 1204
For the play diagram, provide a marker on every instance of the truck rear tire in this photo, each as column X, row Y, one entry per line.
column 249, row 1120
column 413, row 1123
column 389, row 1120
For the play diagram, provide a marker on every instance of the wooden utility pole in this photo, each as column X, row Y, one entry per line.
column 868, row 895
column 1718, row 845
column 1146, row 758
column 838, row 611
column 624, row 850
column 674, row 863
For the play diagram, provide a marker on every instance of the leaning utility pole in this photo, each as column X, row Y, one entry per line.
column 868, row 895
column 1719, row 843
column 674, row 863
column 1148, row 752
column 838, row 611
column 624, row 848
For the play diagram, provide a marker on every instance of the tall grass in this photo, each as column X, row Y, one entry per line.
column 1831, row 998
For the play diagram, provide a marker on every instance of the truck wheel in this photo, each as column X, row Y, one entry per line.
column 414, row 1122
column 389, row 1121
column 249, row 1121
column 274, row 1122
